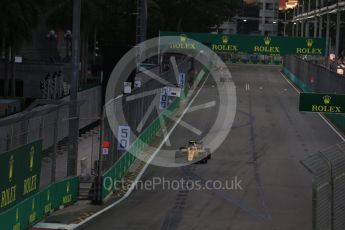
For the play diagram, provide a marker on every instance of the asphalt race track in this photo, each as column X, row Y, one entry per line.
column 268, row 139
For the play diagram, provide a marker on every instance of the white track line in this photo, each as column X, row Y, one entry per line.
column 74, row 226
column 321, row 115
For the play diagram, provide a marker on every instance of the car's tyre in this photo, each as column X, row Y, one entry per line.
column 203, row 161
column 208, row 152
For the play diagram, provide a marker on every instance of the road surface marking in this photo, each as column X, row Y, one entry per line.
column 247, row 87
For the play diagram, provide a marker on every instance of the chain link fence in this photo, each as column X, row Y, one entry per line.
column 328, row 166
column 311, row 77
column 328, row 169
column 251, row 58
column 50, row 123
column 318, row 78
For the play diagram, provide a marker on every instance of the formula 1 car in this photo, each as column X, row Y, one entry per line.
column 194, row 153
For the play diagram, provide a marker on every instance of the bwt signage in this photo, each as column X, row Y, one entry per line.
column 20, row 174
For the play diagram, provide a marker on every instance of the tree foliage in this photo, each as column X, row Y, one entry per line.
column 19, row 18
column 111, row 21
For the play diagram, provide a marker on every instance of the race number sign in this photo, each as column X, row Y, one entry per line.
column 123, row 135
column 163, row 102
column 182, row 80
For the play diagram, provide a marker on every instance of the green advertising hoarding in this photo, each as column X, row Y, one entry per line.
column 41, row 204
column 246, row 44
column 322, row 103
column 20, row 174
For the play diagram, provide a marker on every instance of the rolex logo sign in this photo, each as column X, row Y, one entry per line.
column 309, row 43
column 225, row 46
column 326, row 99
column 267, row 48
column 10, row 168
column 183, row 43
column 32, row 155
column 322, row 103
column 267, row 41
column 225, row 39
column 67, row 198
column 309, row 49
column 20, row 174
column 183, row 38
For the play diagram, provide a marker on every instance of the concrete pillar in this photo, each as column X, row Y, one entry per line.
column 327, row 34
column 315, row 27
column 302, row 25
column 337, row 34
column 303, row 7
column 294, row 12
column 320, row 26
column 316, row 20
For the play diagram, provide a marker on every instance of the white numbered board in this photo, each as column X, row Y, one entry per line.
column 123, row 137
column 163, row 99
column 137, row 84
column 105, row 151
column 182, row 80
column 174, row 92
column 127, row 87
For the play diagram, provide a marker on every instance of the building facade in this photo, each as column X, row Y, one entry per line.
column 268, row 14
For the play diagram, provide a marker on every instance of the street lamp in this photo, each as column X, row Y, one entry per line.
column 51, row 36
column 68, row 40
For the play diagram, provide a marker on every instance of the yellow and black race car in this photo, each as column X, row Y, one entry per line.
column 194, row 153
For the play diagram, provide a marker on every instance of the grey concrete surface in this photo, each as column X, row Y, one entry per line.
column 267, row 141
column 88, row 148
column 17, row 134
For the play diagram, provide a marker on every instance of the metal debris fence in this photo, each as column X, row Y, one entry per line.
column 117, row 171
column 310, row 77
column 328, row 170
